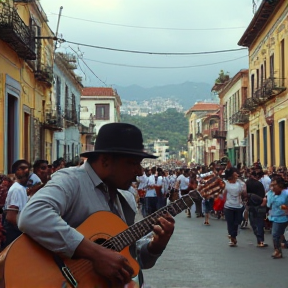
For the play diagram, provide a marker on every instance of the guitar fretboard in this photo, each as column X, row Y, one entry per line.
column 143, row 227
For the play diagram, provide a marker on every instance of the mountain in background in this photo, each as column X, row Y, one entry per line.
column 186, row 93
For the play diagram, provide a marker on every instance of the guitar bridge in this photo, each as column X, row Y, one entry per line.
column 68, row 275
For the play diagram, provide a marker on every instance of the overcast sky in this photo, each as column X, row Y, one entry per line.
column 186, row 26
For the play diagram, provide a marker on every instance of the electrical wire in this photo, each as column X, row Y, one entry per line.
column 157, row 67
column 151, row 53
column 81, row 58
column 151, row 27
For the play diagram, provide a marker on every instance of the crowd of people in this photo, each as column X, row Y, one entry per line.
column 250, row 195
column 112, row 179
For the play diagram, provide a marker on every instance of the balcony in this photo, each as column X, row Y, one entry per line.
column 190, row 138
column 273, row 86
column 206, row 133
column 44, row 74
column 219, row 134
column 14, row 32
column 199, row 135
column 84, row 130
column 70, row 117
column 53, row 120
column 249, row 105
column 239, row 118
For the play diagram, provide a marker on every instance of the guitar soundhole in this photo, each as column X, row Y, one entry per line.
column 106, row 243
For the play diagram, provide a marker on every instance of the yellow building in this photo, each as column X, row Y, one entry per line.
column 25, row 80
column 267, row 40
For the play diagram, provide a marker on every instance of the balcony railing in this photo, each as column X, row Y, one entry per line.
column 249, row 105
column 53, row 120
column 273, row 86
column 219, row 134
column 14, row 32
column 86, row 130
column 239, row 118
column 71, row 116
column 44, row 73
column 206, row 132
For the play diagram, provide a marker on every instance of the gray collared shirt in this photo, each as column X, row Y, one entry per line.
column 71, row 196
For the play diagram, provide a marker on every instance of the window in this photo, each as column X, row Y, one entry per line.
column 102, row 112
column 272, row 66
column 282, row 64
column 282, row 143
column 265, row 146
column 252, row 85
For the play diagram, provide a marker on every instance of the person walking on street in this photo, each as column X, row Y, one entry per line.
column 257, row 213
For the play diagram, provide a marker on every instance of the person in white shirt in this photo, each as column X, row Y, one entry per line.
column 183, row 182
column 142, row 186
column 15, row 201
column 151, row 196
column 265, row 180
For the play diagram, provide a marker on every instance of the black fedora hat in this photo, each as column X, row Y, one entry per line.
column 119, row 138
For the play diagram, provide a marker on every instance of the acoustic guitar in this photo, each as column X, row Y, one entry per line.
column 24, row 263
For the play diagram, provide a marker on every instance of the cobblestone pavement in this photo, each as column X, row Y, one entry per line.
column 198, row 256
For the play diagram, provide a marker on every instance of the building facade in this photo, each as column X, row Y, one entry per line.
column 203, row 147
column 99, row 106
column 64, row 110
column 25, row 80
column 235, row 119
column 267, row 40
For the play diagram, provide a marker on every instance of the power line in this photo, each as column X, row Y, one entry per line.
column 151, row 53
column 151, row 27
column 81, row 58
column 157, row 67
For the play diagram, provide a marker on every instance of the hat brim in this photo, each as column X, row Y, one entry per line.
column 133, row 153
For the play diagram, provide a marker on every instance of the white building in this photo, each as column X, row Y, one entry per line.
column 101, row 105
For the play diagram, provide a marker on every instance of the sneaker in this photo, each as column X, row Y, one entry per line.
column 262, row 245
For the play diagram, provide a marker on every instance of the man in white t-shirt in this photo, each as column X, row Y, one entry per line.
column 151, row 199
column 15, row 201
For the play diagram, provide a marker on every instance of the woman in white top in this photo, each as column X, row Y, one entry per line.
column 233, row 207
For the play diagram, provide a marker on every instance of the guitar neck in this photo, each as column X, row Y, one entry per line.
column 143, row 227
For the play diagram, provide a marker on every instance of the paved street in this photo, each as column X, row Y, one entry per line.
column 199, row 256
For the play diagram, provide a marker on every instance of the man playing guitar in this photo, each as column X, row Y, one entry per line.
column 73, row 194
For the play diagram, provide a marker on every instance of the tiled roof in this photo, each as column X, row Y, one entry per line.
column 202, row 106
column 98, row 91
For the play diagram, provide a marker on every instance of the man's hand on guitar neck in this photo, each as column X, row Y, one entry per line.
column 107, row 263
column 162, row 234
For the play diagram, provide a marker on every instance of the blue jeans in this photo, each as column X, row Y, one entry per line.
column 257, row 223
column 233, row 218
column 150, row 205
column 208, row 205
column 278, row 230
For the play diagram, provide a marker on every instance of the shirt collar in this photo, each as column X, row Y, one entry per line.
column 91, row 173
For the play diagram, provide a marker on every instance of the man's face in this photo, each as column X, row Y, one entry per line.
column 22, row 172
column 123, row 171
column 42, row 171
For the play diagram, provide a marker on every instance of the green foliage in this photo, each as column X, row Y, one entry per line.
column 169, row 125
column 223, row 77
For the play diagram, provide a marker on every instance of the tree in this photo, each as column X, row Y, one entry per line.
column 222, row 78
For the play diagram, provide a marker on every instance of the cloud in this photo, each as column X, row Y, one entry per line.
column 205, row 17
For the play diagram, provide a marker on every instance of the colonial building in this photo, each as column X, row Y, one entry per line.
column 62, row 114
column 25, row 80
column 266, row 38
column 99, row 106
column 234, row 119
column 203, row 147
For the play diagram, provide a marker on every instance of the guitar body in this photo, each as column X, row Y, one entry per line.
column 25, row 263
